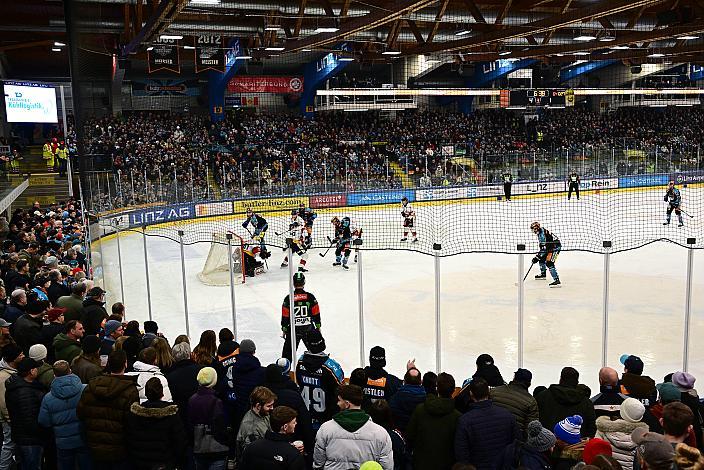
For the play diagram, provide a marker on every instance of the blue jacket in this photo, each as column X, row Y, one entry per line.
column 404, row 402
column 483, row 433
column 247, row 373
column 58, row 411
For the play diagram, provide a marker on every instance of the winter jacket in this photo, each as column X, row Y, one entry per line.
column 183, row 383
column 6, row 372
column 155, row 435
column 380, row 384
column 252, row 428
column 45, row 375
column 273, row 452
column 515, row 398
column 404, row 402
column 483, row 433
column 58, row 411
column 65, row 348
column 560, row 401
column 13, row 312
column 287, row 394
column 93, row 315
column 431, row 433
column 565, row 456
column 204, row 407
column 23, row 400
column 608, row 402
column 618, row 434
column 691, row 399
column 49, row 332
column 641, row 387
column 103, row 409
column 247, row 373
column 348, row 440
column 86, row 368
column 56, row 290
column 27, row 331
column 144, row 372
column 74, row 307
column 519, row 455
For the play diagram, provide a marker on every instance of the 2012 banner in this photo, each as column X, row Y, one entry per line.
column 210, row 54
column 280, row 85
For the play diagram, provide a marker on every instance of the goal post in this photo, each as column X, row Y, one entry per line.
column 216, row 270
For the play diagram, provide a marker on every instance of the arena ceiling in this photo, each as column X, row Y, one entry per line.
column 466, row 30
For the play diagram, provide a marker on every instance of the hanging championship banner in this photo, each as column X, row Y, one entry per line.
column 210, row 54
column 164, row 56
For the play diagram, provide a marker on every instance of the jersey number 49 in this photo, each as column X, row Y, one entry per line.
column 314, row 396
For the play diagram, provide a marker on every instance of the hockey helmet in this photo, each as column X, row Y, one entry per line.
column 345, row 221
column 535, row 226
column 294, row 213
column 335, row 221
column 250, row 211
column 299, row 280
column 302, row 205
column 404, row 199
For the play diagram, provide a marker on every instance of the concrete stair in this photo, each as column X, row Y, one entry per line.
column 44, row 186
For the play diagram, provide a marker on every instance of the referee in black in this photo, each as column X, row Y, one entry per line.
column 508, row 180
column 573, row 183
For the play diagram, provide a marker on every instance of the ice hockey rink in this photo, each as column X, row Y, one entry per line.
column 479, row 296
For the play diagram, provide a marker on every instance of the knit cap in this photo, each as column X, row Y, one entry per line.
column 539, row 438
column 595, row 447
column 207, row 377
column 371, row 465
column 568, row 429
column 38, row 352
column 632, row 410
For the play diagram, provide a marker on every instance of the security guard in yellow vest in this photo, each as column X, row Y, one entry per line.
column 62, row 156
column 48, row 155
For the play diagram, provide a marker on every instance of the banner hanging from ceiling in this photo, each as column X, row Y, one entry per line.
column 210, row 55
column 280, row 85
column 164, row 55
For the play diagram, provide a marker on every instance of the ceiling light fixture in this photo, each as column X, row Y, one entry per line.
column 581, row 53
column 326, row 30
column 656, row 55
column 608, row 37
column 559, row 55
column 150, row 48
column 272, row 27
column 170, row 36
column 306, row 50
column 391, row 53
column 189, row 47
column 59, row 44
column 619, row 48
column 274, row 48
column 243, row 57
column 463, row 32
column 585, row 37
column 56, row 49
column 205, row 2
column 356, row 110
column 504, row 52
column 687, row 38
column 346, row 59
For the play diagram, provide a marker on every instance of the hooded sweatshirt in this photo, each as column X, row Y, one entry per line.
column 431, row 433
column 144, row 372
column 560, row 401
column 66, row 349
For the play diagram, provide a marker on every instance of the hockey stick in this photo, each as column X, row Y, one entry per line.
column 531, row 267
column 332, row 243
column 685, row 213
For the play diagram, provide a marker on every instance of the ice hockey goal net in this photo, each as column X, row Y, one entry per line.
column 216, row 271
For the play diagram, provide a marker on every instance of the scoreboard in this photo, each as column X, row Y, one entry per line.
column 536, row 97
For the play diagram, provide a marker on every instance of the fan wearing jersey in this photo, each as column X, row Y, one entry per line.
column 343, row 240
column 318, row 376
column 260, row 226
column 409, row 218
column 306, row 315
column 308, row 215
column 674, row 199
column 297, row 235
column 550, row 247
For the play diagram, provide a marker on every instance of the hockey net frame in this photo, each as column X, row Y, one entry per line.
column 216, row 270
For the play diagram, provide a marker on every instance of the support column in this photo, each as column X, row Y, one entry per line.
column 605, row 305
column 438, row 325
column 183, row 281
column 360, row 300
column 688, row 302
column 146, row 270
column 232, row 284
column 291, row 307
column 521, row 300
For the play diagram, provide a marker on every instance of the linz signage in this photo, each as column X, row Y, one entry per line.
column 163, row 214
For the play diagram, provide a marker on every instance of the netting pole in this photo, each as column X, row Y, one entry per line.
column 241, row 180
column 656, row 159
column 207, row 183
column 303, row 173
column 224, row 180
column 146, row 186
column 161, row 189
column 291, row 307
column 183, row 281
column 325, row 177
column 366, row 158
column 146, row 270
column 566, row 170
column 259, row 176
column 613, row 159
column 281, row 175
column 193, row 198
column 232, row 284
column 132, row 184
column 438, row 327
column 119, row 265
column 360, row 299
column 688, row 302
column 521, row 248
column 107, row 183
column 347, row 183
column 605, row 307
column 176, row 185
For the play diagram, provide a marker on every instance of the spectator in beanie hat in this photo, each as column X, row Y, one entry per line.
column 633, row 383
column 570, row 444
column 87, row 364
column 618, row 432
column 595, row 447
column 684, row 381
column 380, row 384
column 45, row 372
column 534, row 453
column 204, row 407
column 654, row 452
column 247, row 374
column 515, row 398
column 485, row 370
column 55, row 316
column 113, row 330
column 94, row 313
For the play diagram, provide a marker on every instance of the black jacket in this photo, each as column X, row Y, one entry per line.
column 390, row 381
column 93, row 315
column 183, row 383
column 27, row 331
column 608, row 402
column 49, row 332
column 560, row 401
column 13, row 312
column 155, row 435
column 56, row 290
column 23, row 400
column 287, row 395
column 274, row 452
column 483, row 433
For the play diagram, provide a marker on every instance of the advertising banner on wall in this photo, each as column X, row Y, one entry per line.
column 165, row 88
column 164, row 55
column 598, row 183
column 379, row 197
column 328, row 200
column 210, row 54
column 271, row 204
column 213, row 208
column 280, row 85
column 688, row 178
column 157, row 215
column 445, row 193
column 642, row 180
column 538, row 188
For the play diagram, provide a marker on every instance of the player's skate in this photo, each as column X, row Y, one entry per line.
column 301, row 269
column 666, row 223
column 415, row 240
column 555, row 283
column 681, row 224
column 336, row 263
column 541, row 277
column 284, row 265
column 345, row 266
column 404, row 239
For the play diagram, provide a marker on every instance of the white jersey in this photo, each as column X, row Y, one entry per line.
column 298, row 230
column 407, row 211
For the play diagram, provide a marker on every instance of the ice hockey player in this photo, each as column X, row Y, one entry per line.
column 308, row 215
column 260, row 227
column 550, row 247
column 297, row 235
column 508, row 181
column 409, row 217
column 252, row 266
column 318, row 376
column 343, row 239
column 573, row 185
column 306, row 314
column 356, row 233
column 674, row 198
